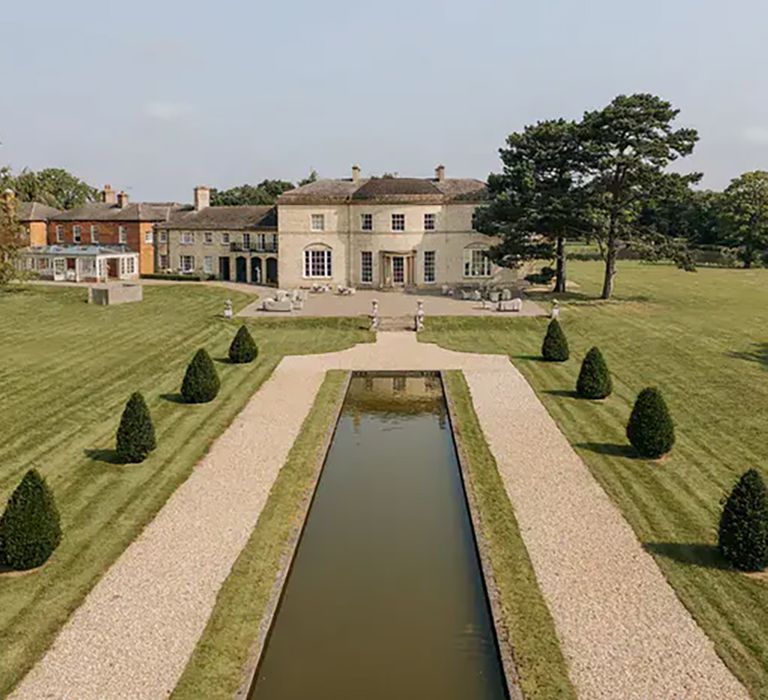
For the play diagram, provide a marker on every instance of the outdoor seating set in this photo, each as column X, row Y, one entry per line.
column 493, row 299
column 285, row 301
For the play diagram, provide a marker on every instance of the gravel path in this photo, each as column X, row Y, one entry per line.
column 624, row 632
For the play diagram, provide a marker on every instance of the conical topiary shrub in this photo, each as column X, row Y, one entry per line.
column 30, row 529
column 650, row 428
column 743, row 535
column 243, row 348
column 136, row 434
column 555, row 346
column 201, row 383
column 594, row 378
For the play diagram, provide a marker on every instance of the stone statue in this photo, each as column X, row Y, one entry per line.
column 228, row 308
column 374, row 315
column 555, row 309
column 419, row 321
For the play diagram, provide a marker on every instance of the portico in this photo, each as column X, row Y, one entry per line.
column 397, row 268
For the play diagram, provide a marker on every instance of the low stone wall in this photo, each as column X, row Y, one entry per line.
column 110, row 294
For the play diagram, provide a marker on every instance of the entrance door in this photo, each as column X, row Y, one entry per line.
column 271, row 270
column 59, row 269
column 241, row 269
column 398, row 270
column 224, row 272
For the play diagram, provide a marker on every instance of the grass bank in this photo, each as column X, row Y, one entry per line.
column 216, row 668
column 535, row 647
column 67, row 370
column 700, row 337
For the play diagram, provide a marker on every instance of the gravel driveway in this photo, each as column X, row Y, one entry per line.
column 623, row 630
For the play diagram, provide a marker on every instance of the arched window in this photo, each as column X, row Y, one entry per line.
column 476, row 261
column 318, row 261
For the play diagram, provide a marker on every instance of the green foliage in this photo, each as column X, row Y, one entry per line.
column 626, row 147
column 537, row 199
column 30, row 529
column 743, row 533
column 53, row 186
column 650, row 428
column 266, row 192
column 11, row 239
column 745, row 215
column 543, row 277
column 243, row 348
column 201, row 383
column 555, row 345
column 136, row 434
column 594, row 380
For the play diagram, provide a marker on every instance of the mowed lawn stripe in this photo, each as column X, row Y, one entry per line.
column 696, row 336
column 69, row 371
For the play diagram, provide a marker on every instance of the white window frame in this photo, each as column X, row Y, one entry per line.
column 94, row 233
column 318, row 263
column 149, row 237
column 476, row 263
column 77, row 234
column 246, row 241
column 163, row 261
column 163, row 236
column 187, row 238
column 430, row 266
column 130, row 265
column 186, row 263
column 122, row 235
column 317, row 222
column 400, row 219
column 208, row 264
column 366, row 267
column 225, row 238
column 59, row 234
column 430, row 222
column 366, row 222
column 208, row 238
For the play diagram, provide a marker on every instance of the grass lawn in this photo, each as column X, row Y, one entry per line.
column 703, row 339
column 216, row 668
column 67, row 370
column 536, row 649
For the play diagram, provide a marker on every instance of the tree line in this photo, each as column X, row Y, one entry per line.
column 605, row 178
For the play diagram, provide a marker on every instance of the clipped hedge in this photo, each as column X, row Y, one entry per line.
column 243, row 348
column 743, row 532
column 201, row 383
column 555, row 345
column 30, row 528
column 136, row 434
column 594, row 380
column 650, row 428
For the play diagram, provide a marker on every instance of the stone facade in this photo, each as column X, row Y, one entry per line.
column 384, row 233
column 237, row 243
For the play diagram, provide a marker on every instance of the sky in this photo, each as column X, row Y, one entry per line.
column 157, row 97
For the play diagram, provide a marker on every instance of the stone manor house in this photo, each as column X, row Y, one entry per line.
column 378, row 232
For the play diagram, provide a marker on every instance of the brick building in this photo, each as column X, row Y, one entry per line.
column 114, row 221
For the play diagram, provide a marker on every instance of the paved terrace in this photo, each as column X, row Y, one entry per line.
column 624, row 632
column 391, row 304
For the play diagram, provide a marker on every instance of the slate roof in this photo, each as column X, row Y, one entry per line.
column 387, row 190
column 34, row 211
column 101, row 211
column 223, row 218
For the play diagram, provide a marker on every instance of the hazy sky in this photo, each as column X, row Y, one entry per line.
column 155, row 97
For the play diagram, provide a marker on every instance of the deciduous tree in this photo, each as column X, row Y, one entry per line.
column 745, row 214
column 11, row 239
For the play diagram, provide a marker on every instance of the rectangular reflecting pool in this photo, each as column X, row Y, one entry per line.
column 385, row 596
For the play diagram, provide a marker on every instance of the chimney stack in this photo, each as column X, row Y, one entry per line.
column 440, row 173
column 122, row 200
column 355, row 173
column 108, row 195
column 202, row 197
